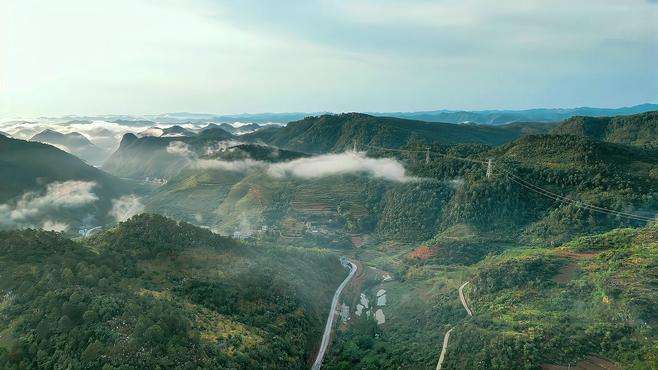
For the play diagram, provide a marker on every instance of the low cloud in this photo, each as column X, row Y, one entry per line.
column 307, row 168
column 242, row 165
column 180, row 148
column 49, row 225
column 33, row 207
column 455, row 183
column 221, row 146
column 125, row 207
column 338, row 164
column 318, row 166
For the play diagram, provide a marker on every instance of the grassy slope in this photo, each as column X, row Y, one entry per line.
column 591, row 296
column 594, row 295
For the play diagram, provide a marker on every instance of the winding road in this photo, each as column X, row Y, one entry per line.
column 463, row 299
column 446, row 337
column 326, row 337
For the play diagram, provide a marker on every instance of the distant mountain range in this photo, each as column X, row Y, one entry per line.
column 485, row 117
column 501, row 117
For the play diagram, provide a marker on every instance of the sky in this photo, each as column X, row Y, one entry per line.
column 234, row 56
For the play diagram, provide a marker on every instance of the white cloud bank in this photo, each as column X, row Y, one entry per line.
column 242, row 165
column 32, row 207
column 125, row 207
column 338, row 164
column 59, row 227
column 318, row 166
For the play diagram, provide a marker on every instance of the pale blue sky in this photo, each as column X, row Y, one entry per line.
column 152, row 56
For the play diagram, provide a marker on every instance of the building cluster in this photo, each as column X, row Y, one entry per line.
column 364, row 307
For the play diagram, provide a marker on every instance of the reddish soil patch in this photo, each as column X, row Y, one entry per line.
column 423, row 253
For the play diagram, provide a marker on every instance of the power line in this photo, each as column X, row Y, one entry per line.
column 528, row 185
column 426, row 152
column 580, row 204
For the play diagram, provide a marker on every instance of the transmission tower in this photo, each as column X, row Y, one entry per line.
column 489, row 167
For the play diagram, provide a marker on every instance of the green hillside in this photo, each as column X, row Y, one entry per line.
column 154, row 293
column 639, row 130
column 584, row 291
column 592, row 297
column 447, row 193
column 337, row 133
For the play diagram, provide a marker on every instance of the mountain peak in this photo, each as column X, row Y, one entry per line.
column 128, row 139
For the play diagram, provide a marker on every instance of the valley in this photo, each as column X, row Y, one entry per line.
column 512, row 246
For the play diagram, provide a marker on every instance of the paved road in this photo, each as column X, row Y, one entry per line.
column 446, row 338
column 326, row 337
column 463, row 299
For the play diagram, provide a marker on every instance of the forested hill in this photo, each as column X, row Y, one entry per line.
column 576, row 152
column 637, row 130
column 156, row 293
column 327, row 133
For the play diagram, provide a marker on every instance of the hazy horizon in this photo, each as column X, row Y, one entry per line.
column 236, row 114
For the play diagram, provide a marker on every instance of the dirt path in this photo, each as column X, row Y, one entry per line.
column 446, row 338
column 463, row 299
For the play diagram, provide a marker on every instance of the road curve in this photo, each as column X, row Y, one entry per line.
column 330, row 320
column 463, row 299
column 446, row 338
